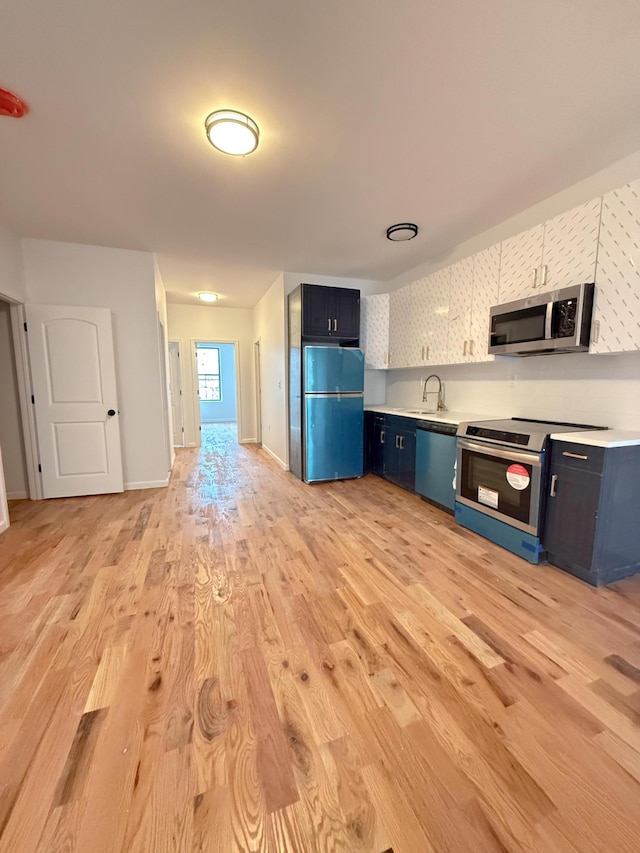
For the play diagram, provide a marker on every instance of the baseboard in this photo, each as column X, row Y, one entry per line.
column 17, row 496
column 147, row 484
column 275, row 458
column 247, row 440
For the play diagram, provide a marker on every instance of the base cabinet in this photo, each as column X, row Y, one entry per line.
column 591, row 527
column 377, row 452
column 393, row 449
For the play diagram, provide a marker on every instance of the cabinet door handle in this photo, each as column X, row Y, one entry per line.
column 471, row 347
column 543, row 275
column 596, row 331
column 328, row 325
column 552, row 490
column 381, row 436
column 335, row 325
column 574, row 455
column 401, row 437
column 464, row 348
column 535, row 278
column 427, row 355
column 397, row 437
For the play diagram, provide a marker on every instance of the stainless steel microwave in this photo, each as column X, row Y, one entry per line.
column 559, row 321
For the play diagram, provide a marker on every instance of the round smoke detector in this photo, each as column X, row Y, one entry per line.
column 11, row 105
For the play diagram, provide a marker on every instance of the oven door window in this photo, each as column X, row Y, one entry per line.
column 503, row 485
column 518, row 327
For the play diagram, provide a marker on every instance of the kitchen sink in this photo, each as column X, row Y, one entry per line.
column 421, row 412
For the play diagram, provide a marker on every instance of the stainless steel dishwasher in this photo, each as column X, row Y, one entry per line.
column 435, row 462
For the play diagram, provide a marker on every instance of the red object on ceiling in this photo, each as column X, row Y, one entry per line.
column 11, row 105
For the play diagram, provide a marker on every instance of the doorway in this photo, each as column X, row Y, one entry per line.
column 258, row 375
column 216, row 384
column 11, row 430
column 175, row 390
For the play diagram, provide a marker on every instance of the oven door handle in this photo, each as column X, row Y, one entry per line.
column 513, row 455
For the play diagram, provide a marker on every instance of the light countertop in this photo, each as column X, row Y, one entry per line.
column 600, row 437
column 419, row 414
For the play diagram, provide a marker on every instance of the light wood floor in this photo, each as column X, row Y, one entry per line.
column 241, row 662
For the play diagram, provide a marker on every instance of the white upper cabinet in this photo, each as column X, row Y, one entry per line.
column 474, row 289
column 431, row 306
column 555, row 254
column 616, row 317
column 570, row 247
column 420, row 318
column 460, row 301
column 374, row 328
column 401, row 344
column 486, row 282
column 520, row 264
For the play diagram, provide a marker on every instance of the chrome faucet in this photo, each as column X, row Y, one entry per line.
column 425, row 393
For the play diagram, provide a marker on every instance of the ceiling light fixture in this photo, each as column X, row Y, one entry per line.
column 402, row 231
column 208, row 297
column 232, row 132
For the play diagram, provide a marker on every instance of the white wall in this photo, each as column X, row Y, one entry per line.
column 122, row 280
column 11, row 440
column 579, row 388
column 615, row 175
column 270, row 328
column 213, row 323
column 366, row 286
column 12, row 282
column 224, row 410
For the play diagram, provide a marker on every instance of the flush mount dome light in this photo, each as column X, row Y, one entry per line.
column 402, row 231
column 232, row 132
column 208, row 297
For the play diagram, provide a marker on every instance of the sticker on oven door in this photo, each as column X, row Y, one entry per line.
column 488, row 497
column 518, row 477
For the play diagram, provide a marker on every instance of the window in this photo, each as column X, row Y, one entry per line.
column 208, row 363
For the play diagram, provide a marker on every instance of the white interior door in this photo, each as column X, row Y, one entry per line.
column 76, row 407
column 4, row 509
column 175, row 385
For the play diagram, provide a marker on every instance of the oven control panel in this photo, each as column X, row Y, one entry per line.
column 516, row 438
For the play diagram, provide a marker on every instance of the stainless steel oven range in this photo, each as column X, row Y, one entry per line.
column 501, row 480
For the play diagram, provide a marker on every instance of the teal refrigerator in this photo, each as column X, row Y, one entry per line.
column 333, row 392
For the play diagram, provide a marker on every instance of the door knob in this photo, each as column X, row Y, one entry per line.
column 111, row 412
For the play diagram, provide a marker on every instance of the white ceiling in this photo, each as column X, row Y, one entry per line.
column 454, row 114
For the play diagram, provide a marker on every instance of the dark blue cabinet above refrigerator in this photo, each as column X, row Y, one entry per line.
column 330, row 312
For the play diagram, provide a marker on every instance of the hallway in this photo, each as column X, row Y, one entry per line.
column 242, row 662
